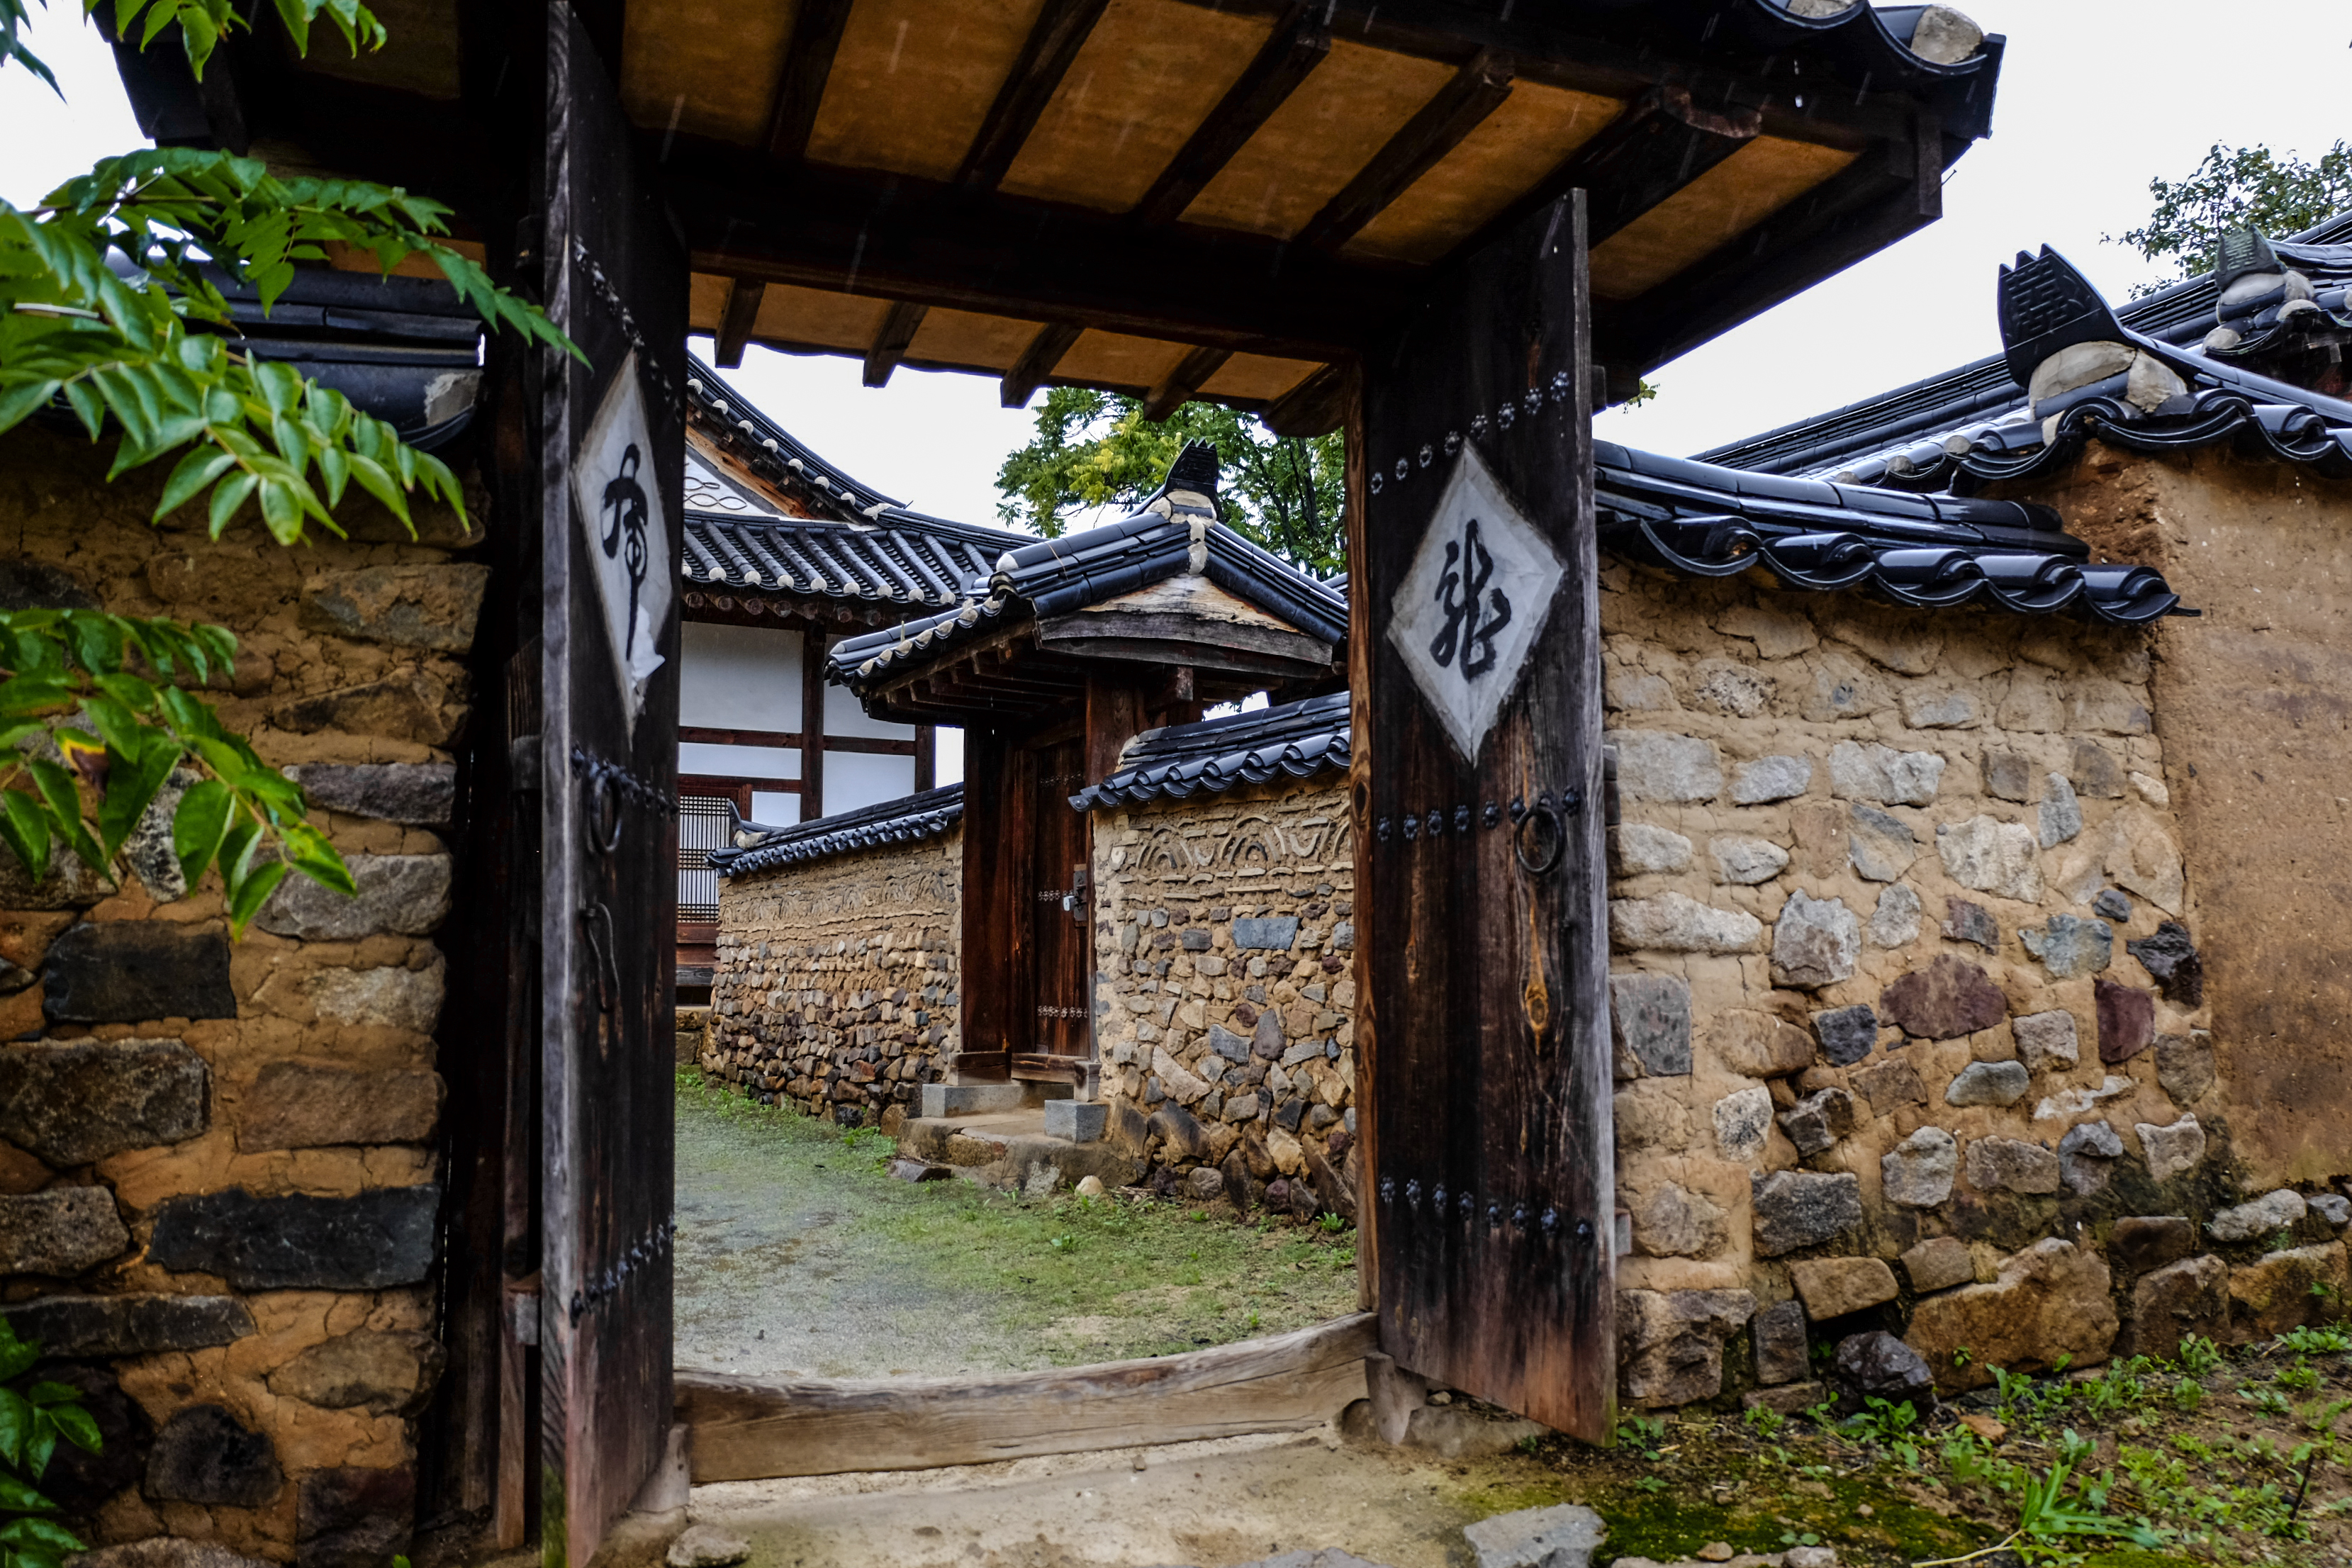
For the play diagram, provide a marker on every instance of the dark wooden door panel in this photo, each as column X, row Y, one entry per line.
column 1485, row 956
column 1060, row 904
column 613, row 464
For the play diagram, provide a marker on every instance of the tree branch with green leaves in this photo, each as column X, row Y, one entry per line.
column 35, row 1416
column 95, row 722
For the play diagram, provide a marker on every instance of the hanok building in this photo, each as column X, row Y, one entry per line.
column 782, row 552
column 1446, row 229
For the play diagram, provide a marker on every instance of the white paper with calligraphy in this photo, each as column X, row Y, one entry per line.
column 1472, row 605
column 618, row 500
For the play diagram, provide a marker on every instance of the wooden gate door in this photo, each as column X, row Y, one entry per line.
column 1061, row 915
column 613, row 466
column 1477, row 685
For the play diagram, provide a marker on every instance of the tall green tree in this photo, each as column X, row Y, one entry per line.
column 2234, row 187
column 1095, row 449
column 109, row 303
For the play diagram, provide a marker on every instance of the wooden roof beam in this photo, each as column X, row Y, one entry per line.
column 1477, row 90
column 735, row 322
column 1036, row 362
column 1658, row 145
column 808, row 63
column 1054, row 41
column 890, row 341
column 1180, row 386
column 1876, row 201
column 1298, row 44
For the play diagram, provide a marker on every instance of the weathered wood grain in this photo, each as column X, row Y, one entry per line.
column 1489, row 1115
column 748, row 1430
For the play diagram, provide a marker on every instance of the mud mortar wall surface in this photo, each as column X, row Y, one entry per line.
column 837, row 987
column 2253, row 700
column 218, row 1184
column 1225, row 985
column 1887, row 1059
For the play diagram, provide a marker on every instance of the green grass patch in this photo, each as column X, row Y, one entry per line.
column 1081, row 1279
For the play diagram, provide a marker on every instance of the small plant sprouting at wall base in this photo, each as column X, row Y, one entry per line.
column 33, row 1419
column 101, row 692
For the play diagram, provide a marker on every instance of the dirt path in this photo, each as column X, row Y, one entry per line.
column 798, row 1256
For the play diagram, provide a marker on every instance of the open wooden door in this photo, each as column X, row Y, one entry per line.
column 613, row 470
column 1477, row 785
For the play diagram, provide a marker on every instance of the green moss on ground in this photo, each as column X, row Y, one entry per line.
column 1061, row 1281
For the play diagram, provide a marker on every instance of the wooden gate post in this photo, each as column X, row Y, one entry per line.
column 1483, row 1028
column 611, row 459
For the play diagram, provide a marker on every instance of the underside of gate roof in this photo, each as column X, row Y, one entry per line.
column 1176, row 198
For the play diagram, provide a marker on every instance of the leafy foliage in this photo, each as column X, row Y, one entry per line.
column 203, row 24
column 2234, row 187
column 33, row 1418
column 1095, row 449
column 74, row 688
column 109, row 297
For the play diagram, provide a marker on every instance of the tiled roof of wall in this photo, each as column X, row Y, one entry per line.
column 1927, row 551
column 1297, row 740
column 910, row 818
column 1900, row 437
column 900, row 557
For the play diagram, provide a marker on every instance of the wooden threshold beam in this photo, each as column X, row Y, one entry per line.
column 808, row 63
column 735, row 322
column 1179, row 386
column 1036, row 362
column 1475, row 91
column 1054, row 41
column 889, row 347
column 745, row 1429
column 1298, row 44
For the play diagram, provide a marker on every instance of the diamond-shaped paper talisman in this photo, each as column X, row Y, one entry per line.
column 1473, row 602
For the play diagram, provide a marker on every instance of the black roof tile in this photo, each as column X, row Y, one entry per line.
column 1296, row 740
column 912, row 819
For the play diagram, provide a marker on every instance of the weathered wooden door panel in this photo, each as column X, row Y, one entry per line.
column 1477, row 665
column 1060, row 904
column 613, row 466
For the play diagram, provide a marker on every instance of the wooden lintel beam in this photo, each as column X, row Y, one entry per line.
column 746, row 216
column 1054, row 41
column 1036, row 362
column 735, row 320
column 1300, row 44
column 808, row 62
column 890, row 342
column 1179, row 385
column 1475, row 91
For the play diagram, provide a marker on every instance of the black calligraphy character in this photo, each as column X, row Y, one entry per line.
column 625, row 531
column 1469, row 629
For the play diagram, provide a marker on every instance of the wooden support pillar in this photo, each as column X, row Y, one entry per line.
column 1114, row 717
column 927, row 757
column 996, row 959
column 813, row 643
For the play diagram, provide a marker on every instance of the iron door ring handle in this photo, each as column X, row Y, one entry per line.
column 604, row 786
column 1543, row 811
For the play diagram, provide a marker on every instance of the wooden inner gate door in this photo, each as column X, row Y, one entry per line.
column 1061, row 915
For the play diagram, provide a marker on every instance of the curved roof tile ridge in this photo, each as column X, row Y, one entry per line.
column 1296, row 740
column 907, row 820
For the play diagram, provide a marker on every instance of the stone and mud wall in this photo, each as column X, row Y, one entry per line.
column 1912, row 1038
column 219, row 1186
column 2253, row 700
column 836, row 988
column 1225, row 992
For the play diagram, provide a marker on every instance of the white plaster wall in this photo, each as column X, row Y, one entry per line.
column 740, row 678
column 853, row 779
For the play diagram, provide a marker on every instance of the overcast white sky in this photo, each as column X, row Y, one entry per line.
column 2096, row 97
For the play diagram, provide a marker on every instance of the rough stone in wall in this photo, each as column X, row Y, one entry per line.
column 216, row 1157
column 1890, row 1028
column 837, row 988
column 1224, row 936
